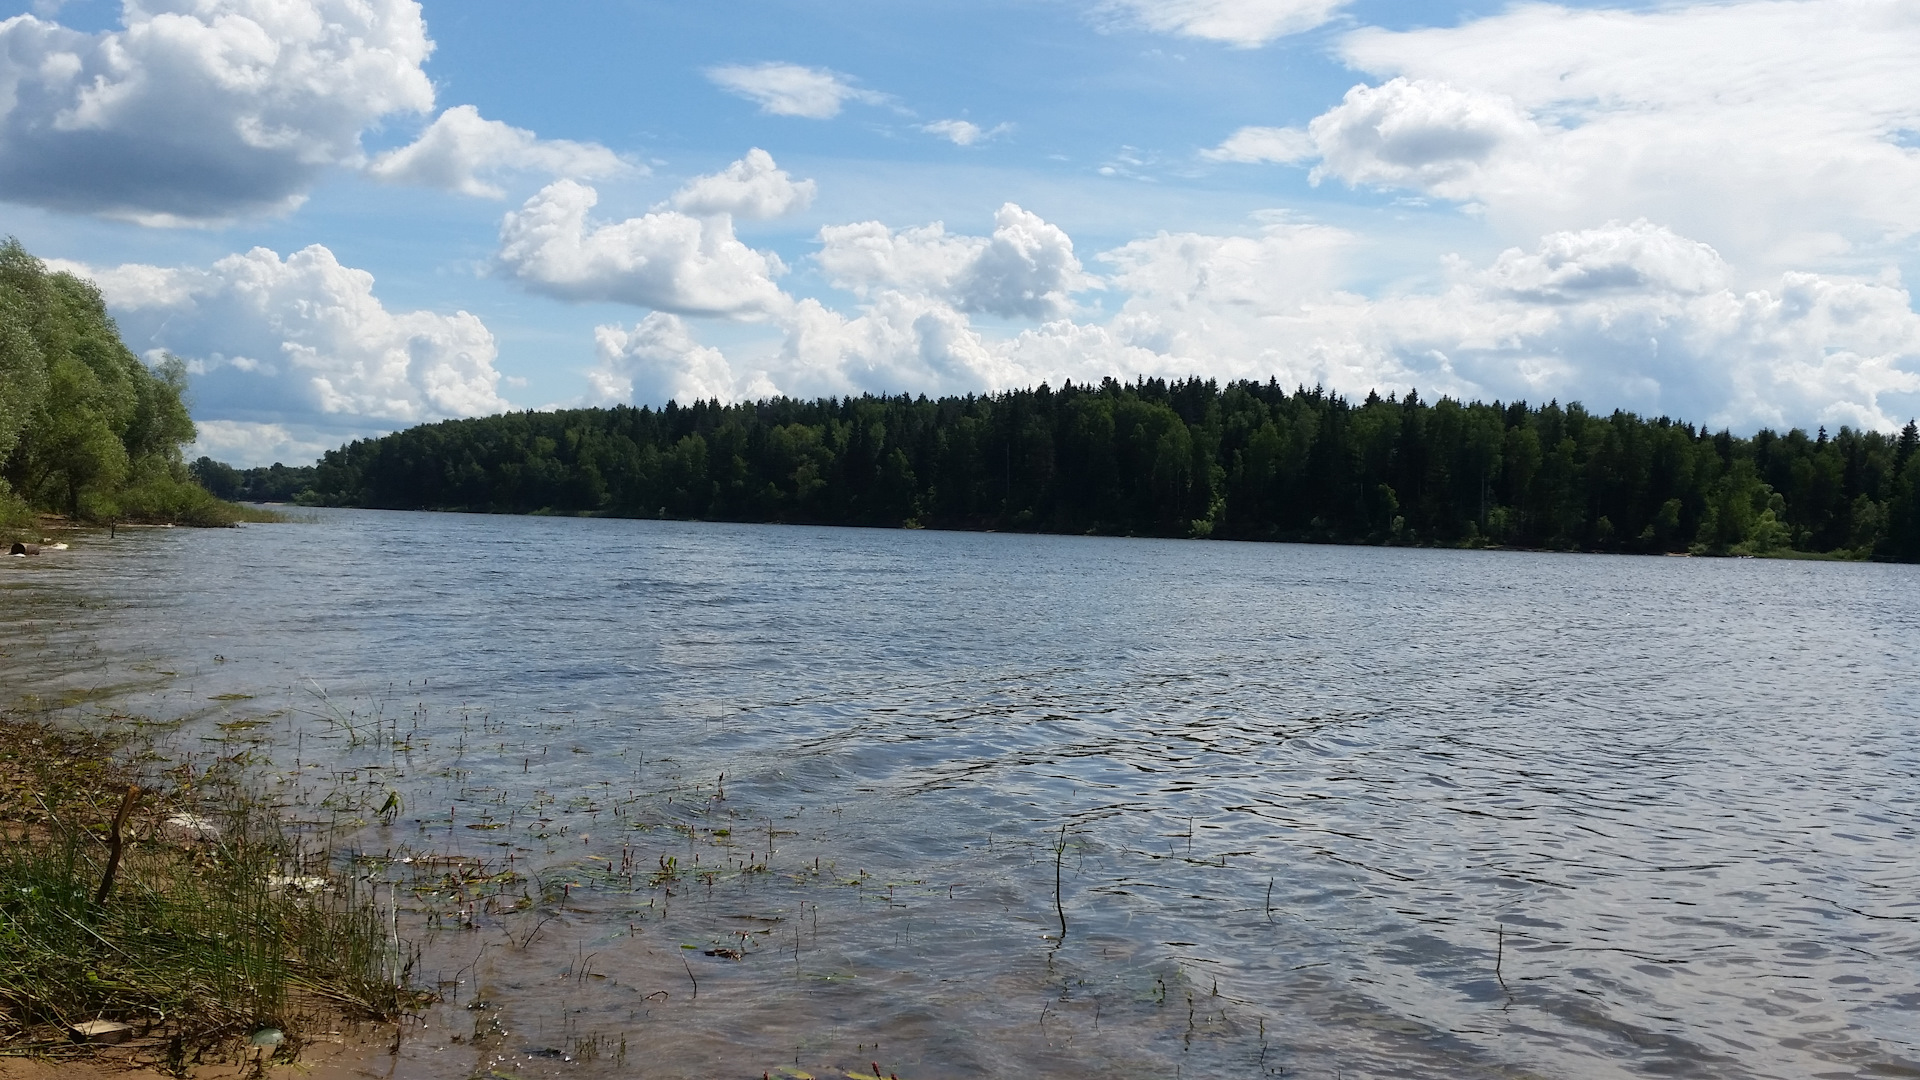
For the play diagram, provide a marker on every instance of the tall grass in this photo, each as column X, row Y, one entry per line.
column 203, row 939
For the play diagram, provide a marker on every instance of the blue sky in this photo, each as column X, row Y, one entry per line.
column 353, row 216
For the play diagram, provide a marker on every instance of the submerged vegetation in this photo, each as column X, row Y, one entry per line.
column 208, row 933
column 1248, row 461
column 87, row 430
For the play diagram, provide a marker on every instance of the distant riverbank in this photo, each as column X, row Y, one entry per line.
column 1187, row 459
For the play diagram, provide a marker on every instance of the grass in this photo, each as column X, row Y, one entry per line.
column 214, row 930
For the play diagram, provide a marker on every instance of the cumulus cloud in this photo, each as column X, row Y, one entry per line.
column 1629, row 314
column 202, row 110
column 753, row 187
column 658, row 361
column 1242, row 23
column 1026, row 269
column 1770, row 130
column 461, row 148
column 1619, row 259
column 964, row 132
column 279, row 347
column 898, row 342
column 246, row 444
column 791, row 90
column 665, row 260
column 1257, row 144
column 1418, row 135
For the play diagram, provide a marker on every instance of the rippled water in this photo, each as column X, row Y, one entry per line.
column 1306, row 811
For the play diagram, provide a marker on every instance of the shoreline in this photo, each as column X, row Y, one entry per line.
column 189, row 902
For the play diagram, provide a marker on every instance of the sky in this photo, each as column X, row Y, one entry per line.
column 352, row 216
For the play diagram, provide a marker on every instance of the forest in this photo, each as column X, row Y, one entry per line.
column 1247, row 461
column 87, row 430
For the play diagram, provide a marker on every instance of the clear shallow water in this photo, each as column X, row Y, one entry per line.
column 1326, row 811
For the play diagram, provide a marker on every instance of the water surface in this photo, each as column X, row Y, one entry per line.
column 1306, row 811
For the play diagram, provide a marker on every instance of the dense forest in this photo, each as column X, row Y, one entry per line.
column 87, row 430
column 1247, row 461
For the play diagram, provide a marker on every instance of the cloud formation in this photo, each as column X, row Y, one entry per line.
column 753, row 187
column 460, row 149
column 658, row 360
column 1626, row 314
column 664, row 260
column 1251, row 145
column 1422, row 135
column 204, row 110
column 791, row 90
column 1242, row 23
column 964, row 132
column 1025, row 269
column 279, row 347
column 1771, row 130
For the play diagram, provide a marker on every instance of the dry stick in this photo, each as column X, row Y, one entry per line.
column 1059, row 854
column 114, row 840
column 1500, row 954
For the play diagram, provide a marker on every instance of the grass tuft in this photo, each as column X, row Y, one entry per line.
column 211, row 932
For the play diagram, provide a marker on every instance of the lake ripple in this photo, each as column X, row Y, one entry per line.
column 1307, row 811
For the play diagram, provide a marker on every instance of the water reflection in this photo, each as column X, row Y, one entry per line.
column 1309, row 811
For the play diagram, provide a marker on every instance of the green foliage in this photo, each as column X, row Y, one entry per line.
column 1247, row 461
column 86, row 428
column 274, row 483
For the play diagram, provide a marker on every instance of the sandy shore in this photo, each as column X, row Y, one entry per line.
column 346, row 1059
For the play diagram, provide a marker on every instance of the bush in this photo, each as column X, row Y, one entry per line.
column 87, row 429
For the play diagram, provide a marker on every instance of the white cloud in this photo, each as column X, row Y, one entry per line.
column 1768, row 129
column 1242, row 23
column 461, row 147
column 203, row 110
column 1624, row 315
column 664, row 260
column 753, row 187
column 791, row 90
column 1026, row 269
column 245, row 444
column 1256, row 144
column 301, row 342
column 964, row 132
column 898, row 343
column 1619, row 259
column 1418, row 135
column 867, row 257
column 659, row 361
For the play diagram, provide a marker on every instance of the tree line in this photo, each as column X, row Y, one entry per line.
column 1247, row 461
column 87, row 430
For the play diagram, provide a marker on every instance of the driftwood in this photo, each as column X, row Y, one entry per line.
column 114, row 841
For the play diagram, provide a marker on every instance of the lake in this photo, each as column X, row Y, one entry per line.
column 1301, row 811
